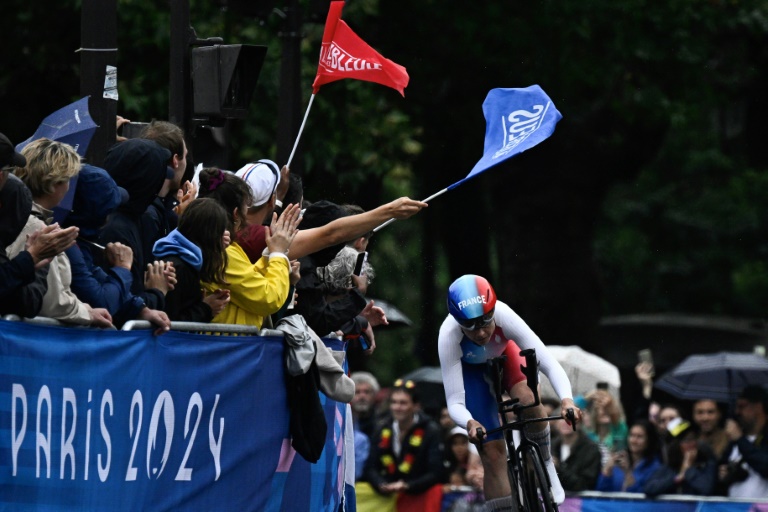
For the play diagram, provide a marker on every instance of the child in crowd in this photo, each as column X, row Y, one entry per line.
column 197, row 249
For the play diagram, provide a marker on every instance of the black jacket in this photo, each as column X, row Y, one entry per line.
column 580, row 471
column 139, row 166
column 21, row 286
column 185, row 302
column 426, row 468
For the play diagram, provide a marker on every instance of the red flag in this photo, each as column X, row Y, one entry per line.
column 344, row 55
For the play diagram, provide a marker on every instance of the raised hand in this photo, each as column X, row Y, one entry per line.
column 374, row 314
column 282, row 230
column 119, row 255
column 368, row 333
column 285, row 182
column 217, row 300
column 295, row 275
column 155, row 277
column 47, row 242
column 405, row 207
column 185, row 195
column 170, row 274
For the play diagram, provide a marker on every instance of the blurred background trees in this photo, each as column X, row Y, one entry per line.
column 648, row 198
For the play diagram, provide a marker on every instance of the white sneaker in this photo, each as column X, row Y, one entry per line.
column 557, row 489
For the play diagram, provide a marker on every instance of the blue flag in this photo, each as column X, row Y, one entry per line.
column 516, row 120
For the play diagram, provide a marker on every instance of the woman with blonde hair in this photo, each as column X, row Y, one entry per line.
column 609, row 427
column 50, row 166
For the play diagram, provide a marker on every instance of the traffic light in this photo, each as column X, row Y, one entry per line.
column 224, row 78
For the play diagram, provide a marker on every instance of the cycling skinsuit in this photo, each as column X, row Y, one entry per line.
column 468, row 389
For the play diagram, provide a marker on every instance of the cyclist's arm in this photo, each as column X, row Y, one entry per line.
column 449, row 349
column 516, row 329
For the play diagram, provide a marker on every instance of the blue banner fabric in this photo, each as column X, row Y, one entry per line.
column 610, row 504
column 516, row 120
column 299, row 485
column 113, row 420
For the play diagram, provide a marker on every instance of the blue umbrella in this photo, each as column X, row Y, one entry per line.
column 720, row 376
column 71, row 125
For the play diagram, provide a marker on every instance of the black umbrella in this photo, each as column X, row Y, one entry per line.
column 429, row 382
column 395, row 317
column 720, row 376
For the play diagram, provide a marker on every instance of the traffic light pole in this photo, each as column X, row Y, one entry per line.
column 98, row 41
column 180, row 82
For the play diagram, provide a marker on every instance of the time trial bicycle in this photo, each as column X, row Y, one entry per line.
column 527, row 474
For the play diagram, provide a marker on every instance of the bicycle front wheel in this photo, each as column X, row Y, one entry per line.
column 536, row 489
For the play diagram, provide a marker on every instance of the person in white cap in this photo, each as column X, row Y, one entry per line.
column 264, row 178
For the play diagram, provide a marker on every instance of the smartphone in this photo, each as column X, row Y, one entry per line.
column 132, row 130
column 361, row 259
column 645, row 356
column 602, row 385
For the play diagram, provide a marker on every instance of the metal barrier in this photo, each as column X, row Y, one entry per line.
column 46, row 321
column 204, row 328
column 194, row 327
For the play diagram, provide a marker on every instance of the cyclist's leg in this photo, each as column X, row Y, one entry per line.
column 481, row 403
column 493, row 455
column 537, row 432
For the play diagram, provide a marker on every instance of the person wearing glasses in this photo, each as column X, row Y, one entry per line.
column 406, row 459
column 478, row 328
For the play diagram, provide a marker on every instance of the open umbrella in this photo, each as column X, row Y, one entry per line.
column 71, row 125
column 584, row 370
column 429, row 382
column 720, row 376
column 395, row 317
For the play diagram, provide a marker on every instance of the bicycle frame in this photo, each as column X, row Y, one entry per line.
column 522, row 478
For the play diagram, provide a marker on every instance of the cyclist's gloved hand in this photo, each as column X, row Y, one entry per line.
column 566, row 404
column 472, row 426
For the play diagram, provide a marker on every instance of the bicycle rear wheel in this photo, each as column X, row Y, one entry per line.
column 536, row 489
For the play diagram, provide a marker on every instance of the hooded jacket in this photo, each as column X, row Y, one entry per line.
column 185, row 302
column 97, row 195
column 139, row 166
column 21, row 287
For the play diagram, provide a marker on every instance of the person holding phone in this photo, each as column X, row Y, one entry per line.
column 628, row 470
column 609, row 428
column 478, row 328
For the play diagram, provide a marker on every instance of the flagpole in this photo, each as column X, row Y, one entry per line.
column 390, row 221
column 301, row 129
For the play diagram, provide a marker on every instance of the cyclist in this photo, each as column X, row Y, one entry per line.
column 477, row 329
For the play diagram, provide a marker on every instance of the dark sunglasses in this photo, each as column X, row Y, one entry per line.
column 479, row 322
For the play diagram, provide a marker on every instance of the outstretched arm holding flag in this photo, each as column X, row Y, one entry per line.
column 516, row 120
column 344, row 55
